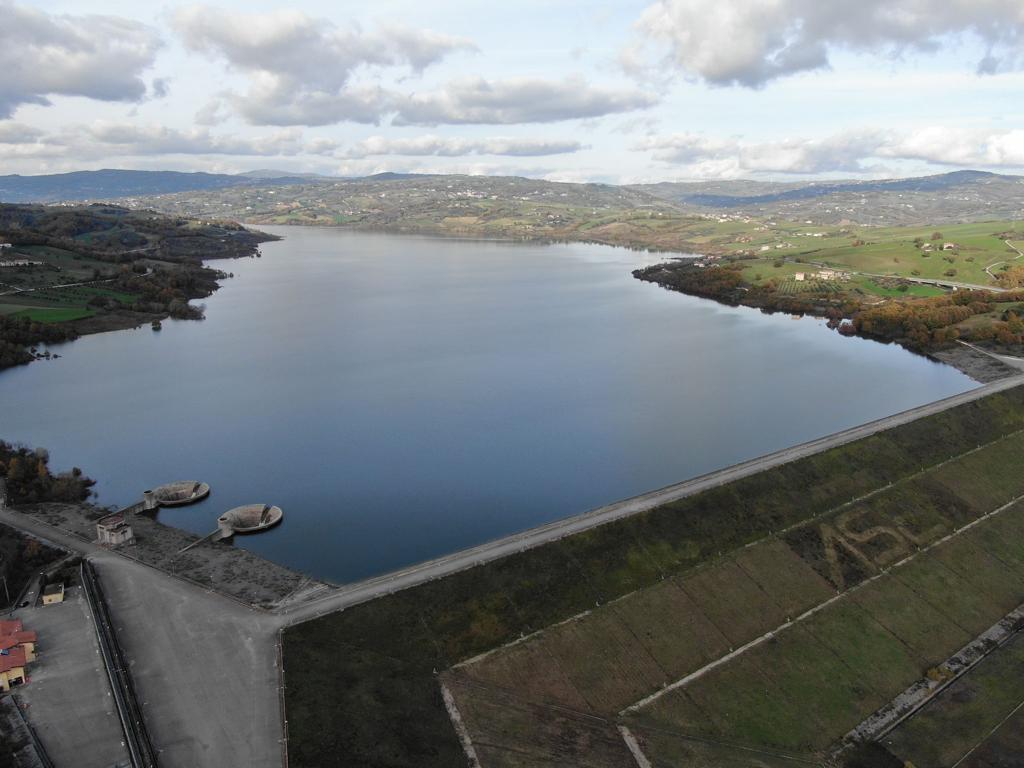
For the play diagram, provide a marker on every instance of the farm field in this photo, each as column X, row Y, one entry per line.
column 32, row 291
column 576, row 632
column 887, row 251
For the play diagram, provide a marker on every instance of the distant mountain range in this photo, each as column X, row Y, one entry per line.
column 109, row 184
column 956, row 196
column 737, row 194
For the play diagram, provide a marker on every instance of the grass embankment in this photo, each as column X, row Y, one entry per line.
column 362, row 684
column 981, row 712
column 803, row 690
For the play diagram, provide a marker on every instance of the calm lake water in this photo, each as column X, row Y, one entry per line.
column 403, row 397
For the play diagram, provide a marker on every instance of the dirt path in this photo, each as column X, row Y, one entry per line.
column 1020, row 253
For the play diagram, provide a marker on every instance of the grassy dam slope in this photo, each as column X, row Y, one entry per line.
column 755, row 623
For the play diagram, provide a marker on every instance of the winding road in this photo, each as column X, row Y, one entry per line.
column 1020, row 253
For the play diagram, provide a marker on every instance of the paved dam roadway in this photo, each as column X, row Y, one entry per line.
column 206, row 667
column 360, row 592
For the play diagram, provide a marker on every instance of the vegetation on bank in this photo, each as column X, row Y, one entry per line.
column 22, row 558
column 920, row 323
column 362, row 686
column 26, row 473
column 79, row 270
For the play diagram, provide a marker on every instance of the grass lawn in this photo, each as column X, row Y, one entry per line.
column 55, row 314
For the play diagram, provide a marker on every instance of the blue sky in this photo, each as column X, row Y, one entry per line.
column 625, row 92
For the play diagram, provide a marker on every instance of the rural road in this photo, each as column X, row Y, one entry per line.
column 1020, row 253
column 353, row 594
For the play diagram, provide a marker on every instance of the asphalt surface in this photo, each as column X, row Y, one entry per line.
column 204, row 667
column 67, row 699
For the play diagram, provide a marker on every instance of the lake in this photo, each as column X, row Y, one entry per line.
column 402, row 397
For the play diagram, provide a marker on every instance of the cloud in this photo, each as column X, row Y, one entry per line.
column 441, row 146
column 855, row 151
column 751, row 42
column 103, row 139
column 960, row 147
column 18, row 133
column 99, row 57
column 300, row 68
column 128, row 139
column 519, row 100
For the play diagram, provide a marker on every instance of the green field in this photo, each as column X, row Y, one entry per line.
column 884, row 251
column 54, row 314
column 363, row 684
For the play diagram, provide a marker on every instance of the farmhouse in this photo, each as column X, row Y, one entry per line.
column 799, row 277
column 949, row 246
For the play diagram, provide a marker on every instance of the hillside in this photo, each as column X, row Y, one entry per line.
column 109, row 184
column 960, row 196
column 68, row 271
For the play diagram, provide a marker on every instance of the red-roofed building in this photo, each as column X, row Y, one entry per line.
column 17, row 648
column 12, row 668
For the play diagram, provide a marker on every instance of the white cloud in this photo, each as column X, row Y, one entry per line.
column 443, row 146
column 103, row 139
column 130, row 139
column 855, row 151
column 99, row 57
column 18, row 133
column 517, row 100
column 300, row 68
column 960, row 147
column 750, row 42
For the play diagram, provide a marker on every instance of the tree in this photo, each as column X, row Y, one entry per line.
column 936, row 235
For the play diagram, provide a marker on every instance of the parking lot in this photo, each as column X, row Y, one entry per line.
column 67, row 698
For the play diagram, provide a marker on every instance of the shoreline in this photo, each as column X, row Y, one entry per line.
column 129, row 319
column 297, row 597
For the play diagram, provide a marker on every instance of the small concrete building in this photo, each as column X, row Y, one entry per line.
column 113, row 530
column 949, row 246
column 54, row 593
column 799, row 277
